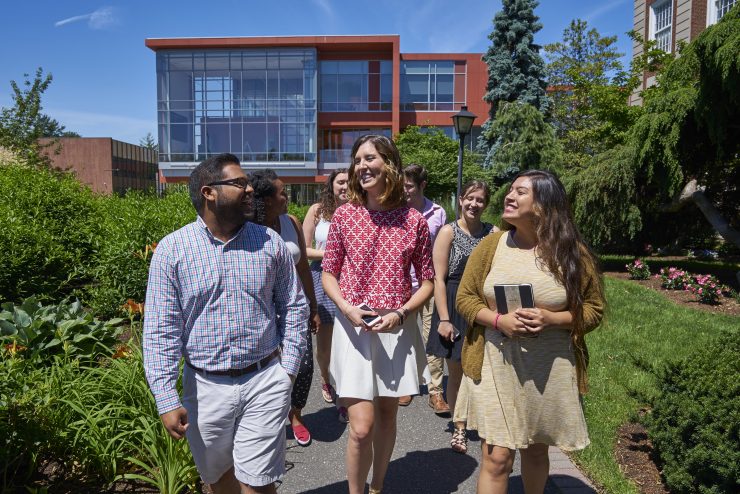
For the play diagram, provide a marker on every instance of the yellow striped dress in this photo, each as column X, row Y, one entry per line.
column 528, row 391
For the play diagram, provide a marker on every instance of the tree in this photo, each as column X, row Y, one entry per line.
column 149, row 142
column 684, row 148
column 23, row 124
column 515, row 69
column 523, row 140
column 49, row 127
column 589, row 90
column 438, row 154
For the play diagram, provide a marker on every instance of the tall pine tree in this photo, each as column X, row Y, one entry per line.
column 516, row 72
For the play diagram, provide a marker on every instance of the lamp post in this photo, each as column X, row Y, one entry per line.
column 463, row 122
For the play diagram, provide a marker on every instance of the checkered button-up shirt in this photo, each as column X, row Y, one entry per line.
column 220, row 305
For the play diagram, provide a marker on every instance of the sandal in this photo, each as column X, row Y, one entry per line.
column 328, row 393
column 459, row 441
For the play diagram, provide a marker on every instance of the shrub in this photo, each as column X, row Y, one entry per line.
column 638, row 270
column 707, row 288
column 49, row 226
column 130, row 226
column 674, row 278
column 695, row 419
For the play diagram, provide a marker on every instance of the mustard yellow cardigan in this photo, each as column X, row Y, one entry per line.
column 470, row 300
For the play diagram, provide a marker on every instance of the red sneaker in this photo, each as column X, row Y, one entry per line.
column 301, row 435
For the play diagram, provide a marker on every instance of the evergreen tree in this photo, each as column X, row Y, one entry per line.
column 515, row 69
column 149, row 142
column 523, row 140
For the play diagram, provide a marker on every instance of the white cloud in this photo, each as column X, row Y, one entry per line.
column 325, row 6
column 100, row 19
column 603, row 9
column 89, row 124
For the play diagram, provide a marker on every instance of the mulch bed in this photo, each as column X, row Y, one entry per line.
column 634, row 454
column 726, row 305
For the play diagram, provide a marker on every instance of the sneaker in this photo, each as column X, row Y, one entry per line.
column 343, row 415
column 328, row 393
column 439, row 405
column 301, row 434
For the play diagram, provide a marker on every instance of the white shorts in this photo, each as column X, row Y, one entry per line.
column 239, row 422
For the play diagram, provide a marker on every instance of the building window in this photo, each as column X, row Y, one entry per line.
column 352, row 85
column 335, row 145
column 259, row 104
column 661, row 21
column 716, row 9
column 432, row 85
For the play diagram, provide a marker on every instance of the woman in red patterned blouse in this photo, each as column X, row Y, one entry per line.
column 373, row 241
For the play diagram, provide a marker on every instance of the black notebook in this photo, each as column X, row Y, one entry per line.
column 512, row 297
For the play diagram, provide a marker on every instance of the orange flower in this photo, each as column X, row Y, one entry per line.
column 122, row 351
column 133, row 308
column 14, row 348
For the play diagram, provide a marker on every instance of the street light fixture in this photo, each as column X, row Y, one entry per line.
column 463, row 122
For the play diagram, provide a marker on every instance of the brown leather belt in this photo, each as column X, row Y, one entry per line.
column 239, row 372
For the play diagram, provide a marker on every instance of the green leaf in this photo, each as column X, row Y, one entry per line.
column 52, row 344
column 21, row 318
column 7, row 328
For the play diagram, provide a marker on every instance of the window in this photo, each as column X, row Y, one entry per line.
column 258, row 104
column 432, row 85
column 335, row 145
column 716, row 9
column 351, row 85
column 661, row 21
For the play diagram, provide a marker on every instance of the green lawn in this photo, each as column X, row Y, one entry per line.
column 642, row 329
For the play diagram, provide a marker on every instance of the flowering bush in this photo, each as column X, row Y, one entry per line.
column 638, row 270
column 707, row 289
column 674, row 279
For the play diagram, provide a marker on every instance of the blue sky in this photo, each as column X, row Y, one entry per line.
column 104, row 76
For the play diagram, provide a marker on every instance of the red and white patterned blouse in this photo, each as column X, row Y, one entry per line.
column 371, row 253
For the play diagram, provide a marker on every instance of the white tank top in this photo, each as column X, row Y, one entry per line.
column 290, row 237
column 320, row 233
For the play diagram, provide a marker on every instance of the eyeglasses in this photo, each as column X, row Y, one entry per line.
column 241, row 182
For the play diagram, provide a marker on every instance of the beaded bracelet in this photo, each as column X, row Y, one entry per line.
column 495, row 322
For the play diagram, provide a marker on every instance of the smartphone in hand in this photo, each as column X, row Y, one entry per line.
column 370, row 320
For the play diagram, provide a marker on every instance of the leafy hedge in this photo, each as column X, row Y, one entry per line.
column 60, row 239
column 130, row 227
column 48, row 233
column 695, row 421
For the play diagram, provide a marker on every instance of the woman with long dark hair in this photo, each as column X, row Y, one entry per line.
column 377, row 350
column 525, row 368
column 271, row 208
column 315, row 231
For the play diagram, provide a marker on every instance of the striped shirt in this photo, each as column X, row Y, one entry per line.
column 220, row 305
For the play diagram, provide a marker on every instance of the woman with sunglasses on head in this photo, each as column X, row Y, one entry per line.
column 271, row 208
column 452, row 248
column 377, row 352
column 525, row 368
column 315, row 231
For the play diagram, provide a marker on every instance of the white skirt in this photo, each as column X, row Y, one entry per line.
column 366, row 364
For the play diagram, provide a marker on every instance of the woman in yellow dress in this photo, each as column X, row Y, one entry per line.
column 524, row 370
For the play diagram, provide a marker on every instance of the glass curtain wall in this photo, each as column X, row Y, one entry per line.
column 356, row 86
column 257, row 104
column 437, row 85
column 335, row 145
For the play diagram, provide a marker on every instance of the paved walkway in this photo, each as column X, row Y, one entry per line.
column 422, row 461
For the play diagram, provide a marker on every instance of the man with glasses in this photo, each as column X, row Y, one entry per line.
column 223, row 295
